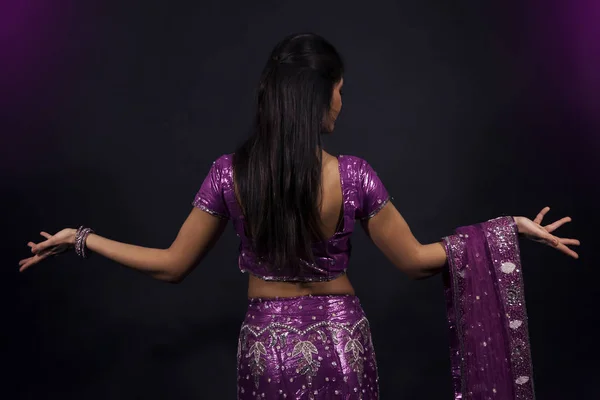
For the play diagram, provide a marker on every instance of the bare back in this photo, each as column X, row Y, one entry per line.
column 331, row 212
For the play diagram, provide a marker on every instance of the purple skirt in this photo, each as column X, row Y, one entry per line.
column 309, row 347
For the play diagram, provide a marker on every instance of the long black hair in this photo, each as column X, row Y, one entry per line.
column 278, row 169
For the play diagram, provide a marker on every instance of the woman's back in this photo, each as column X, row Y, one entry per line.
column 331, row 213
column 350, row 190
column 331, row 201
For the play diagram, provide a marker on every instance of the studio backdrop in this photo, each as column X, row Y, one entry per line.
column 112, row 113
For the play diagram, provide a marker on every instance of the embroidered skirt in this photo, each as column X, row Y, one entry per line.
column 309, row 347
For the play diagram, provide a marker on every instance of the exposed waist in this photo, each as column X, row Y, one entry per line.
column 259, row 288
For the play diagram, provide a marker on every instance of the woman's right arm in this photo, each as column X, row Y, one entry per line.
column 195, row 238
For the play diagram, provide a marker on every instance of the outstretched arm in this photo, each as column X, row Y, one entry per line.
column 196, row 237
column 391, row 234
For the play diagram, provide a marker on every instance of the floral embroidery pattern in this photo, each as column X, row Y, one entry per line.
column 306, row 365
column 257, row 363
column 356, row 360
column 309, row 360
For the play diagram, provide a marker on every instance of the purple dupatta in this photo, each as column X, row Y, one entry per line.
column 489, row 338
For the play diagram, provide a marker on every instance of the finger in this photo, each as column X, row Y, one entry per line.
column 35, row 258
column 25, row 266
column 557, row 224
column 48, row 237
column 567, row 251
column 538, row 218
column 40, row 247
column 32, row 245
column 570, row 242
column 26, row 263
column 551, row 240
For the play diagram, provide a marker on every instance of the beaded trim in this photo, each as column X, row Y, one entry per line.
column 375, row 211
column 197, row 204
column 297, row 279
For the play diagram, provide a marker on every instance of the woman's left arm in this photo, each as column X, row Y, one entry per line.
column 392, row 235
column 535, row 231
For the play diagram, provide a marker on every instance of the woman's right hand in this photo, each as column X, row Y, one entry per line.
column 53, row 245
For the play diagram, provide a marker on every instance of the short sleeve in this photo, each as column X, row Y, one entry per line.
column 210, row 196
column 372, row 193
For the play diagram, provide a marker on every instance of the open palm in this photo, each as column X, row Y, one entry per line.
column 53, row 245
column 535, row 231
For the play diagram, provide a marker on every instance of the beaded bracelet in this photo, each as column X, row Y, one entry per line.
column 80, row 238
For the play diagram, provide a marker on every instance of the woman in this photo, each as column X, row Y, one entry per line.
column 293, row 206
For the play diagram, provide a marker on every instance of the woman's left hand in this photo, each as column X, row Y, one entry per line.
column 535, row 231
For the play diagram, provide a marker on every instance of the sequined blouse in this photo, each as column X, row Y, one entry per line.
column 363, row 196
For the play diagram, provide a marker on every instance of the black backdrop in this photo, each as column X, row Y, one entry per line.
column 113, row 111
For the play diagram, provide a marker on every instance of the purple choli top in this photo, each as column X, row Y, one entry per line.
column 363, row 196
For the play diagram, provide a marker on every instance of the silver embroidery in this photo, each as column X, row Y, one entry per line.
column 377, row 209
column 356, row 348
column 332, row 325
column 508, row 267
column 257, row 363
column 201, row 206
column 522, row 379
column 515, row 324
column 512, row 296
column 307, row 365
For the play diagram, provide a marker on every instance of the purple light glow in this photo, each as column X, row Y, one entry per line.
column 585, row 54
column 32, row 39
column 564, row 41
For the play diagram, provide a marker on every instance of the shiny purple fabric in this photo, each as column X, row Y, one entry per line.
column 363, row 196
column 309, row 347
column 211, row 195
column 486, row 313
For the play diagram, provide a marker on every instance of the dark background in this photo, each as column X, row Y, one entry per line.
column 112, row 113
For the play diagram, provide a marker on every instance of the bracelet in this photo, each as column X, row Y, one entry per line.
column 77, row 240
column 80, row 238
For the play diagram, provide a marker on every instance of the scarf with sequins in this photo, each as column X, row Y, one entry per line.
column 489, row 340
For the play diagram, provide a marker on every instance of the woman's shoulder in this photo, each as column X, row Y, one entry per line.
column 221, row 168
column 223, row 164
column 224, row 159
column 349, row 158
column 353, row 163
column 357, row 169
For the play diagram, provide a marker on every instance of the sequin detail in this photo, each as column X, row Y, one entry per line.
column 201, row 206
column 486, row 313
column 363, row 193
column 283, row 350
column 209, row 197
column 378, row 208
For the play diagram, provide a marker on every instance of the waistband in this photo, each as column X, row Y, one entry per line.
column 320, row 305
